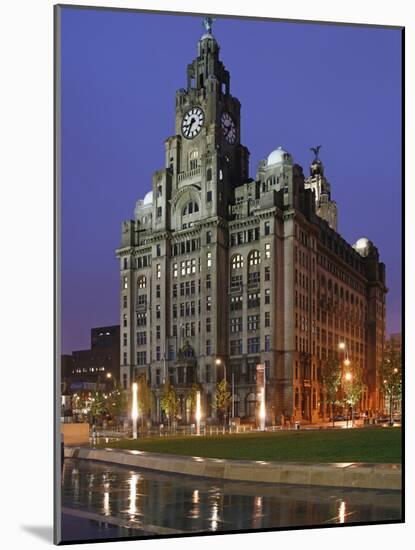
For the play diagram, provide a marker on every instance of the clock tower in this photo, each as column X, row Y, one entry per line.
column 206, row 151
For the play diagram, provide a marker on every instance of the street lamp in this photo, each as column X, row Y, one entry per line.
column 134, row 409
column 349, row 377
column 198, row 413
column 262, row 411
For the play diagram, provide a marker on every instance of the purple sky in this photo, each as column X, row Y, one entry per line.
column 299, row 85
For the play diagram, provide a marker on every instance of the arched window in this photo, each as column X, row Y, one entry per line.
column 237, row 261
column 190, row 208
column 142, row 281
column 254, row 257
column 193, row 158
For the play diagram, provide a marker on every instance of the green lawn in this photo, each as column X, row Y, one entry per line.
column 353, row 445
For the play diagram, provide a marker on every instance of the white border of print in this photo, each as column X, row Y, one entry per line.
column 26, row 42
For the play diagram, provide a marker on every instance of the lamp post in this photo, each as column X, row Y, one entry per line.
column 262, row 410
column 134, row 409
column 348, row 377
column 198, row 413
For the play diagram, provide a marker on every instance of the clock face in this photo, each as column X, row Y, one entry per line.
column 228, row 128
column 192, row 122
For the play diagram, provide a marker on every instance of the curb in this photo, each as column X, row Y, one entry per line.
column 342, row 474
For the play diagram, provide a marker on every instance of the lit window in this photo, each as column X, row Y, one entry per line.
column 209, row 259
column 254, row 257
column 237, row 261
column 125, row 282
column 158, row 271
column 142, row 281
column 174, row 270
column 268, row 251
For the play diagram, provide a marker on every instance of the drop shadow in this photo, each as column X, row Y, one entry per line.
column 44, row 532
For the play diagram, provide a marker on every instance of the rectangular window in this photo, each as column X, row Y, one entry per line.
column 124, row 320
column 253, row 322
column 266, row 228
column 174, row 270
column 183, row 268
column 254, row 278
column 254, row 299
column 158, row 332
column 236, row 324
column 158, row 377
column 124, row 301
column 253, row 345
column 208, row 324
column 267, row 251
column 209, row 259
column 208, row 347
column 159, row 211
column 267, row 319
column 141, row 319
column 142, row 299
column 141, row 338
column 267, row 342
column 158, row 250
column 124, row 339
column 208, row 374
column 236, row 303
column 236, row 347
column 209, row 196
column 267, row 296
column 236, row 281
column 267, row 274
column 208, row 237
column 158, row 271
column 158, row 354
column 174, row 291
column 157, row 291
column 208, row 303
column 125, row 358
column 141, row 357
column 158, row 312
column 125, row 282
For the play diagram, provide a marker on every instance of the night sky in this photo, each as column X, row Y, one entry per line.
column 299, row 85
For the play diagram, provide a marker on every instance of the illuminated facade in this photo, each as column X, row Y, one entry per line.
column 216, row 265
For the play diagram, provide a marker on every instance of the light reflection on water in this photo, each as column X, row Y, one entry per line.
column 190, row 504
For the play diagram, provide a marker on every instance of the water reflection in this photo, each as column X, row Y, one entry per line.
column 150, row 500
column 342, row 511
column 132, row 510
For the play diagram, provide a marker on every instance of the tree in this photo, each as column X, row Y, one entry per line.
column 221, row 398
column 352, row 388
column 391, row 372
column 117, row 402
column 169, row 402
column 332, row 374
column 98, row 405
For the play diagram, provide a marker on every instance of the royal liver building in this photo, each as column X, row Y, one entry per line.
column 217, row 265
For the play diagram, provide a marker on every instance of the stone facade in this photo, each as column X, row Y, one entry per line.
column 217, row 265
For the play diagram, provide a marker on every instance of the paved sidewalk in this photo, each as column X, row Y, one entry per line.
column 347, row 474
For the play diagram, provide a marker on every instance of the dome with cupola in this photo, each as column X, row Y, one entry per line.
column 279, row 156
